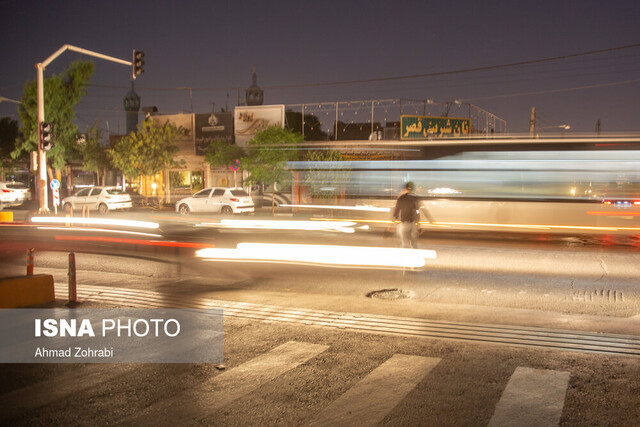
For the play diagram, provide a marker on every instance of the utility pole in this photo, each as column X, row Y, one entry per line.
column 42, row 156
column 532, row 122
column 190, row 95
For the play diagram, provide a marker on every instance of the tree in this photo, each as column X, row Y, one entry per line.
column 148, row 150
column 222, row 152
column 61, row 94
column 267, row 154
column 327, row 181
column 8, row 135
column 94, row 151
column 312, row 126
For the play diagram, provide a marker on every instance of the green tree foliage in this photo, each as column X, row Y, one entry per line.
column 61, row 94
column 325, row 182
column 8, row 135
column 312, row 126
column 267, row 154
column 148, row 150
column 94, row 151
column 221, row 152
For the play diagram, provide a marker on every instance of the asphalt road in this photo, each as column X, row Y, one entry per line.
column 300, row 374
column 276, row 373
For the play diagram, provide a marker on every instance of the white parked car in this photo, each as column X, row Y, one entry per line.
column 217, row 199
column 13, row 194
column 102, row 199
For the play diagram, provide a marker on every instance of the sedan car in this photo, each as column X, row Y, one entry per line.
column 13, row 194
column 102, row 199
column 226, row 201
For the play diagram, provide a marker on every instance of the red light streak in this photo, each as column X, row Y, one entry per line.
column 613, row 213
column 136, row 241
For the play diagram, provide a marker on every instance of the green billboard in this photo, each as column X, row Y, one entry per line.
column 421, row 127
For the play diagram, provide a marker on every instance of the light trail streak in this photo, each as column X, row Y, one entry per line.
column 599, row 213
column 381, row 221
column 100, row 230
column 341, row 226
column 322, row 255
column 481, row 224
column 95, row 221
column 541, row 226
column 133, row 241
column 344, row 208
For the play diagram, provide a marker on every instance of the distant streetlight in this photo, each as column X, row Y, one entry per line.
column 2, row 98
column 564, row 127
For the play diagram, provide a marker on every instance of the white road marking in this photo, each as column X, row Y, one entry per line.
column 367, row 402
column 201, row 401
column 533, row 397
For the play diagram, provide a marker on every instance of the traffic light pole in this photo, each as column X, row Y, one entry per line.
column 42, row 156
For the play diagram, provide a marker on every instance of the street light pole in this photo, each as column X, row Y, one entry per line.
column 42, row 156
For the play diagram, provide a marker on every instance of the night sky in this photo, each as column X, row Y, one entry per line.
column 212, row 46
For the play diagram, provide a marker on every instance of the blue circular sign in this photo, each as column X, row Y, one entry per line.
column 55, row 184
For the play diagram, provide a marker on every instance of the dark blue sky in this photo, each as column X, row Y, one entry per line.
column 212, row 45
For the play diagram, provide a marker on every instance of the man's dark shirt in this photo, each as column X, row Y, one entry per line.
column 407, row 208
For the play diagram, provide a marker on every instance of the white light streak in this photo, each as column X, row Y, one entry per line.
column 367, row 208
column 94, row 221
column 101, row 230
column 443, row 190
column 324, row 255
column 341, row 226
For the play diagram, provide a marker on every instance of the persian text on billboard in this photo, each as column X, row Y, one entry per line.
column 249, row 120
column 420, row 127
column 212, row 127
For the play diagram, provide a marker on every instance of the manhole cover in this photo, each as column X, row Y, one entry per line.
column 390, row 294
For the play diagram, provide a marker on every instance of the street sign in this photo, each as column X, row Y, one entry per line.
column 55, row 193
column 234, row 165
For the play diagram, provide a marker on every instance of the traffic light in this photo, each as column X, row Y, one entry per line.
column 138, row 63
column 47, row 136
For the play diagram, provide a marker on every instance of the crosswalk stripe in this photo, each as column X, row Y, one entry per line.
column 367, row 402
column 39, row 394
column 533, row 397
column 201, row 401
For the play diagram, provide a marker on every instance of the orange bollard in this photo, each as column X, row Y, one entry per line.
column 30, row 261
column 73, row 294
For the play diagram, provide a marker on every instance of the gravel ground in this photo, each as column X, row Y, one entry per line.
column 462, row 389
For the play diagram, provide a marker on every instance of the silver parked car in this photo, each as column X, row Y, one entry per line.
column 226, row 201
column 102, row 199
column 13, row 193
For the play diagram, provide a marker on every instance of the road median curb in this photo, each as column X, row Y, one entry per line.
column 25, row 291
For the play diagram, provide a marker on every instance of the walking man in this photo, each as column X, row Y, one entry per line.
column 407, row 211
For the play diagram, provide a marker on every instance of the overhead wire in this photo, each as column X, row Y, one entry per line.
column 402, row 77
column 542, row 92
